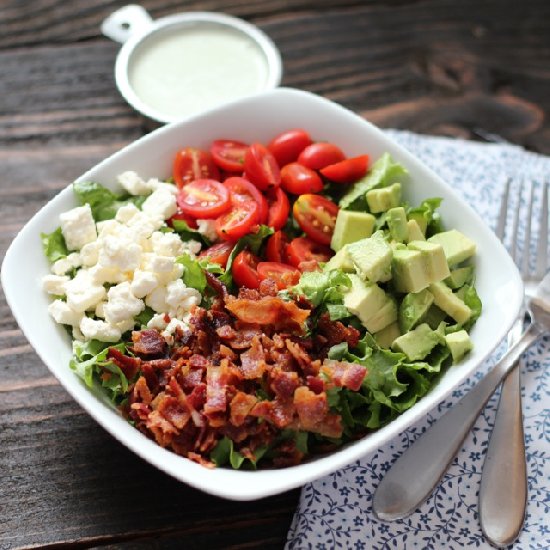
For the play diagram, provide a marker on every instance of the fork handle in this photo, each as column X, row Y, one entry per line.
column 503, row 491
column 417, row 471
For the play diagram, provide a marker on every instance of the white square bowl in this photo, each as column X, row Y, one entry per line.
column 257, row 118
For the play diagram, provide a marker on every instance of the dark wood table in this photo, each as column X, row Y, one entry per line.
column 478, row 70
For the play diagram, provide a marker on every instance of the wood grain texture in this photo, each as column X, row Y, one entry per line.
column 479, row 70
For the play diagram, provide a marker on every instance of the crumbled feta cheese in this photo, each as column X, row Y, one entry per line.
column 175, row 293
column 82, row 293
column 55, row 284
column 181, row 299
column 78, row 227
column 160, row 205
column 192, row 247
column 133, row 183
column 122, row 304
column 167, row 244
column 99, row 310
column 169, row 331
column 126, row 213
column 108, row 227
column 126, row 325
column 119, row 253
column 157, row 300
column 101, row 275
column 64, row 314
column 89, row 254
column 99, row 330
column 144, row 283
column 64, row 265
column 158, row 322
column 155, row 184
column 161, row 264
column 77, row 334
column 208, row 229
column 142, row 226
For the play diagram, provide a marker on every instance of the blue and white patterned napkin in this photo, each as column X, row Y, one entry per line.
column 335, row 512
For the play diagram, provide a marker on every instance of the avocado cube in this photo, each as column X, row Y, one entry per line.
column 340, row 260
column 451, row 304
column 364, row 299
column 372, row 257
column 414, row 308
column 350, row 227
column 386, row 336
column 434, row 256
column 385, row 316
column 414, row 231
column 409, row 271
column 457, row 246
column 459, row 277
column 459, row 343
column 397, row 222
column 381, row 200
column 417, row 343
column 435, row 316
column 420, row 221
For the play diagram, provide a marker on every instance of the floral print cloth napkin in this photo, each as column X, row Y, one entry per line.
column 335, row 511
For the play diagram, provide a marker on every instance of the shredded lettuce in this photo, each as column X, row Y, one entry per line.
column 193, row 272
column 224, row 453
column 54, row 245
column 382, row 173
column 181, row 227
column 427, row 211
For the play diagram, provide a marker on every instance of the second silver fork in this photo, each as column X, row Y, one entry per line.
column 503, row 491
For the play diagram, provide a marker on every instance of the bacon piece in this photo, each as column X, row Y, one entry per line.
column 141, row 392
column 268, row 287
column 200, row 460
column 148, row 342
column 162, row 429
column 336, row 332
column 316, row 385
column 300, row 355
column 278, row 412
column 174, row 411
column 240, row 406
column 284, row 383
column 344, row 374
column 268, row 311
column 216, row 285
column 331, row 426
column 311, row 407
column 216, row 400
column 128, row 365
column 253, row 362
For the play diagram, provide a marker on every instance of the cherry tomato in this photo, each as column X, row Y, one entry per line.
column 298, row 179
column 192, row 164
column 275, row 250
column 261, row 168
column 316, row 216
column 203, row 198
column 244, row 271
column 303, row 250
column 287, row 146
column 347, row 171
column 283, row 275
column 243, row 190
column 229, row 154
column 279, row 209
column 218, row 253
column 191, row 222
column 321, row 154
column 238, row 221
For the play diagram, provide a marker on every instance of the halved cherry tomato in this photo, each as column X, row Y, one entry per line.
column 244, row 271
column 192, row 164
column 238, row 220
column 316, row 216
column 275, row 250
column 242, row 190
column 203, row 198
column 218, row 253
column 229, row 154
column 279, row 208
column 283, row 275
column 321, row 154
column 347, row 171
column 191, row 222
column 261, row 168
column 298, row 179
column 287, row 146
column 303, row 250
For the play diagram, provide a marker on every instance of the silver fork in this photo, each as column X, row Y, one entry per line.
column 502, row 505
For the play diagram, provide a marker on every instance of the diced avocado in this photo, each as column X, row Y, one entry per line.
column 397, row 222
column 435, row 316
column 450, row 303
column 340, row 260
column 350, row 227
column 459, row 343
column 436, row 263
column 459, row 277
column 417, row 343
column 381, row 200
column 414, row 308
column 457, row 247
column 415, row 233
column 420, row 220
column 386, row 336
column 385, row 316
column 364, row 299
column 372, row 257
column 409, row 271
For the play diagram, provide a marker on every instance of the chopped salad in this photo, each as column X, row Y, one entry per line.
column 266, row 303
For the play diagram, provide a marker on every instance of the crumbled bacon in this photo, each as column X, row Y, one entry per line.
column 344, row 374
column 128, row 365
column 253, row 362
column 148, row 342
